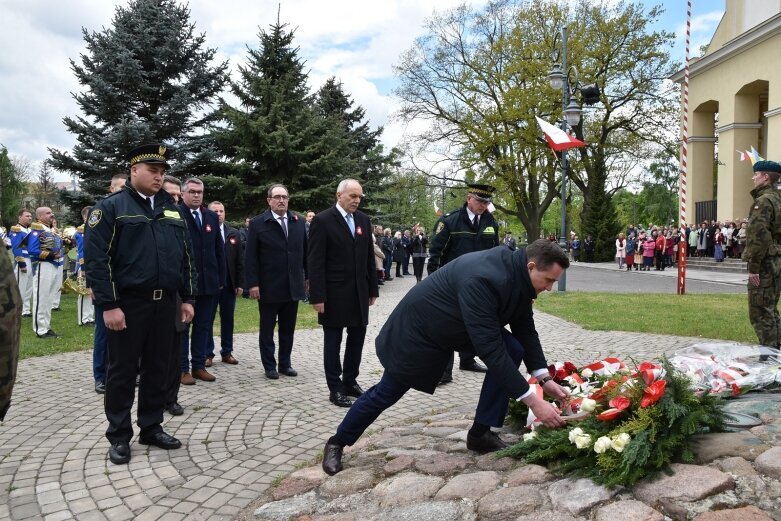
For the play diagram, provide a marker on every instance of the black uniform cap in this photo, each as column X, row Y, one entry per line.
column 154, row 154
column 482, row 192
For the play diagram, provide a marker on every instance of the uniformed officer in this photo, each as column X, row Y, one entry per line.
column 23, row 270
column 467, row 229
column 138, row 257
column 45, row 248
column 85, row 312
column 763, row 254
column 10, row 324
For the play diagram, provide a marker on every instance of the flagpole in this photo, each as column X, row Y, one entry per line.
column 564, row 160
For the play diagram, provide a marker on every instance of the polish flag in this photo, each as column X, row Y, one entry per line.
column 557, row 139
column 744, row 156
column 437, row 210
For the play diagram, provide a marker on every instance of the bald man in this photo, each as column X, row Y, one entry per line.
column 45, row 248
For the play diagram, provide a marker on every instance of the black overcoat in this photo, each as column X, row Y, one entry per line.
column 275, row 264
column 342, row 272
column 464, row 306
column 234, row 258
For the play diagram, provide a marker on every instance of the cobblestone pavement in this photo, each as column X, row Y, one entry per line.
column 239, row 433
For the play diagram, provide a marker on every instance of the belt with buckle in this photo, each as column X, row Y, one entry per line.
column 149, row 294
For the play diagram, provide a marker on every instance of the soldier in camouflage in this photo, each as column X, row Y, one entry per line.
column 763, row 253
column 10, row 323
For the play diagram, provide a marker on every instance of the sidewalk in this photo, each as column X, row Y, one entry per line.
column 691, row 274
column 240, row 434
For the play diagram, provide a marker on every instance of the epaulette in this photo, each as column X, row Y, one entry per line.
column 16, row 228
column 36, row 226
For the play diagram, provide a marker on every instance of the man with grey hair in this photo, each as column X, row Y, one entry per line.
column 342, row 286
column 209, row 260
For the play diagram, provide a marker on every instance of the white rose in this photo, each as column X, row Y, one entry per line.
column 583, row 441
column 619, row 442
column 574, row 433
column 529, row 435
column 587, row 373
column 602, row 444
column 588, row 405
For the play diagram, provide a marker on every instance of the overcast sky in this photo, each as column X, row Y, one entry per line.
column 358, row 41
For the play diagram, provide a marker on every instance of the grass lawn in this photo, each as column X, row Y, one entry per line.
column 75, row 338
column 721, row 316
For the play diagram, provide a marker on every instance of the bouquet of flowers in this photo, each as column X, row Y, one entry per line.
column 639, row 422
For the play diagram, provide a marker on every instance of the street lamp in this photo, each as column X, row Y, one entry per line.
column 572, row 113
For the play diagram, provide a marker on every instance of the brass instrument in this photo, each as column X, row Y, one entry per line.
column 77, row 284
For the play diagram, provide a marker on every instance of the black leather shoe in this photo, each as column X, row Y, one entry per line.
column 339, row 399
column 446, row 379
column 488, row 442
column 272, row 374
column 100, row 387
column 332, row 458
column 475, row 367
column 119, row 453
column 174, row 409
column 48, row 334
column 353, row 390
column 288, row 372
column 160, row 439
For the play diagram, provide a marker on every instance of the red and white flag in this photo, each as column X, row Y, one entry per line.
column 437, row 211
column 557, row 139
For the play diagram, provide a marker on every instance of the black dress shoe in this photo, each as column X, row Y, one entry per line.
column 380, row 283
column 159, row 439
column 353, row 390
column 174, row 409
column 119, row 452
column 48, row 334
column 288, row 372
column 339, row 399
column 488, row 442
column 100, row 387
column 475, row 367
column 272, row 374
column 446, row 379
column 332, row 458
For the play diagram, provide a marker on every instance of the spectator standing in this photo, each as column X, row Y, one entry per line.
column 588, row 247
column 719, row 241
column 649, row 248
column 398, row 253
column 387, row 250
column 419, row 251
column 620, row 250
column 509, row 241
column 406, row 243
column 631, row 246
column 575, row 249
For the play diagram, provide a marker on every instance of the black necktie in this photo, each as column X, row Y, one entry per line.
column 197, row 220
column 476, row 222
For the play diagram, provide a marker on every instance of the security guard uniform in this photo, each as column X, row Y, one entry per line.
column 23, row 270
column 763, row 255
column 85, row 312
column 137, row 258
column 45, row 248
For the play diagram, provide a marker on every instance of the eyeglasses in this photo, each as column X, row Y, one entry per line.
column 280, row 197
column 195, row 192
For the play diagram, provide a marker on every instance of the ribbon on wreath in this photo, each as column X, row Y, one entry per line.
column 608, row 366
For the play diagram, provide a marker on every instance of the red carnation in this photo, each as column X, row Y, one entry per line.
column 653, row 392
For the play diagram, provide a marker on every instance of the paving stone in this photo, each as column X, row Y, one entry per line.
column 506, row 504
column 430, row 511
column 687, row 483
column 555, row 515
column 399, row 464
column 628, row 509
column 491, row 462
column 407, row 488
column 349, row 481
column 528, row 474
column 288, row 508
column 708, row 447
column 769, row 463
column 578, row 495
column 472, row 486
column 737, row 466
column 314, row 473
column 749, row 513
column 291, row 487
column 442, row 465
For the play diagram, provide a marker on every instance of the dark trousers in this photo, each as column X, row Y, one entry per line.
column 417, row 266
column 465, row 359
column 405, row 263
column 284, row 313
column 201, row 332
column 226, row 303
column 659, row 256
column 387, row 263
column 332, row 339
column 491, row 407
column 99, row 347
column 174, row 378
column 145, row 344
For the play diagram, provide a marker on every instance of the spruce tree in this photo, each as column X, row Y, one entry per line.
column 147, row 78
column 11, row 190
column 276, row 135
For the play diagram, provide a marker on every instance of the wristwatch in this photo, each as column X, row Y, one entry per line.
column 545, row 379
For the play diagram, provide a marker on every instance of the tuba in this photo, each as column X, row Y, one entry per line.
column 77, row 284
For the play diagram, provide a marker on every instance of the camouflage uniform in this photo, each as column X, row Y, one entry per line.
column 763, row 255
column 10, row 322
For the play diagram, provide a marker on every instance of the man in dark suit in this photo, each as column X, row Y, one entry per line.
column 234, row 284
column 342, row 286
column 464, row 306
column 209, row 257
column 276, row 274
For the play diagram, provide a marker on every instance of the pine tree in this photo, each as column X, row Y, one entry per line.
column 11, row 189
column 276, row 135
column 148, row 78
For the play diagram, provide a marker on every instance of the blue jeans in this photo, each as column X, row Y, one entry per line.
column 99, row 347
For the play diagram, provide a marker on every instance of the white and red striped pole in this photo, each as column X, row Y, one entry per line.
column 682, row 244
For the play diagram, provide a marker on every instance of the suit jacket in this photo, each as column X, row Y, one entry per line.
column 208, row 250
column 234, row 258
column 463, row 306
column 276, row 264
column 341, row 268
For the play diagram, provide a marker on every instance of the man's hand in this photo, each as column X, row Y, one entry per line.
column 187, row 312
column 753, row 278
column 114, row 319
column 254, row 292
column 554, row 390
column 239, row 291
column 372, row 300
column 319, row 307
column 544, row 411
